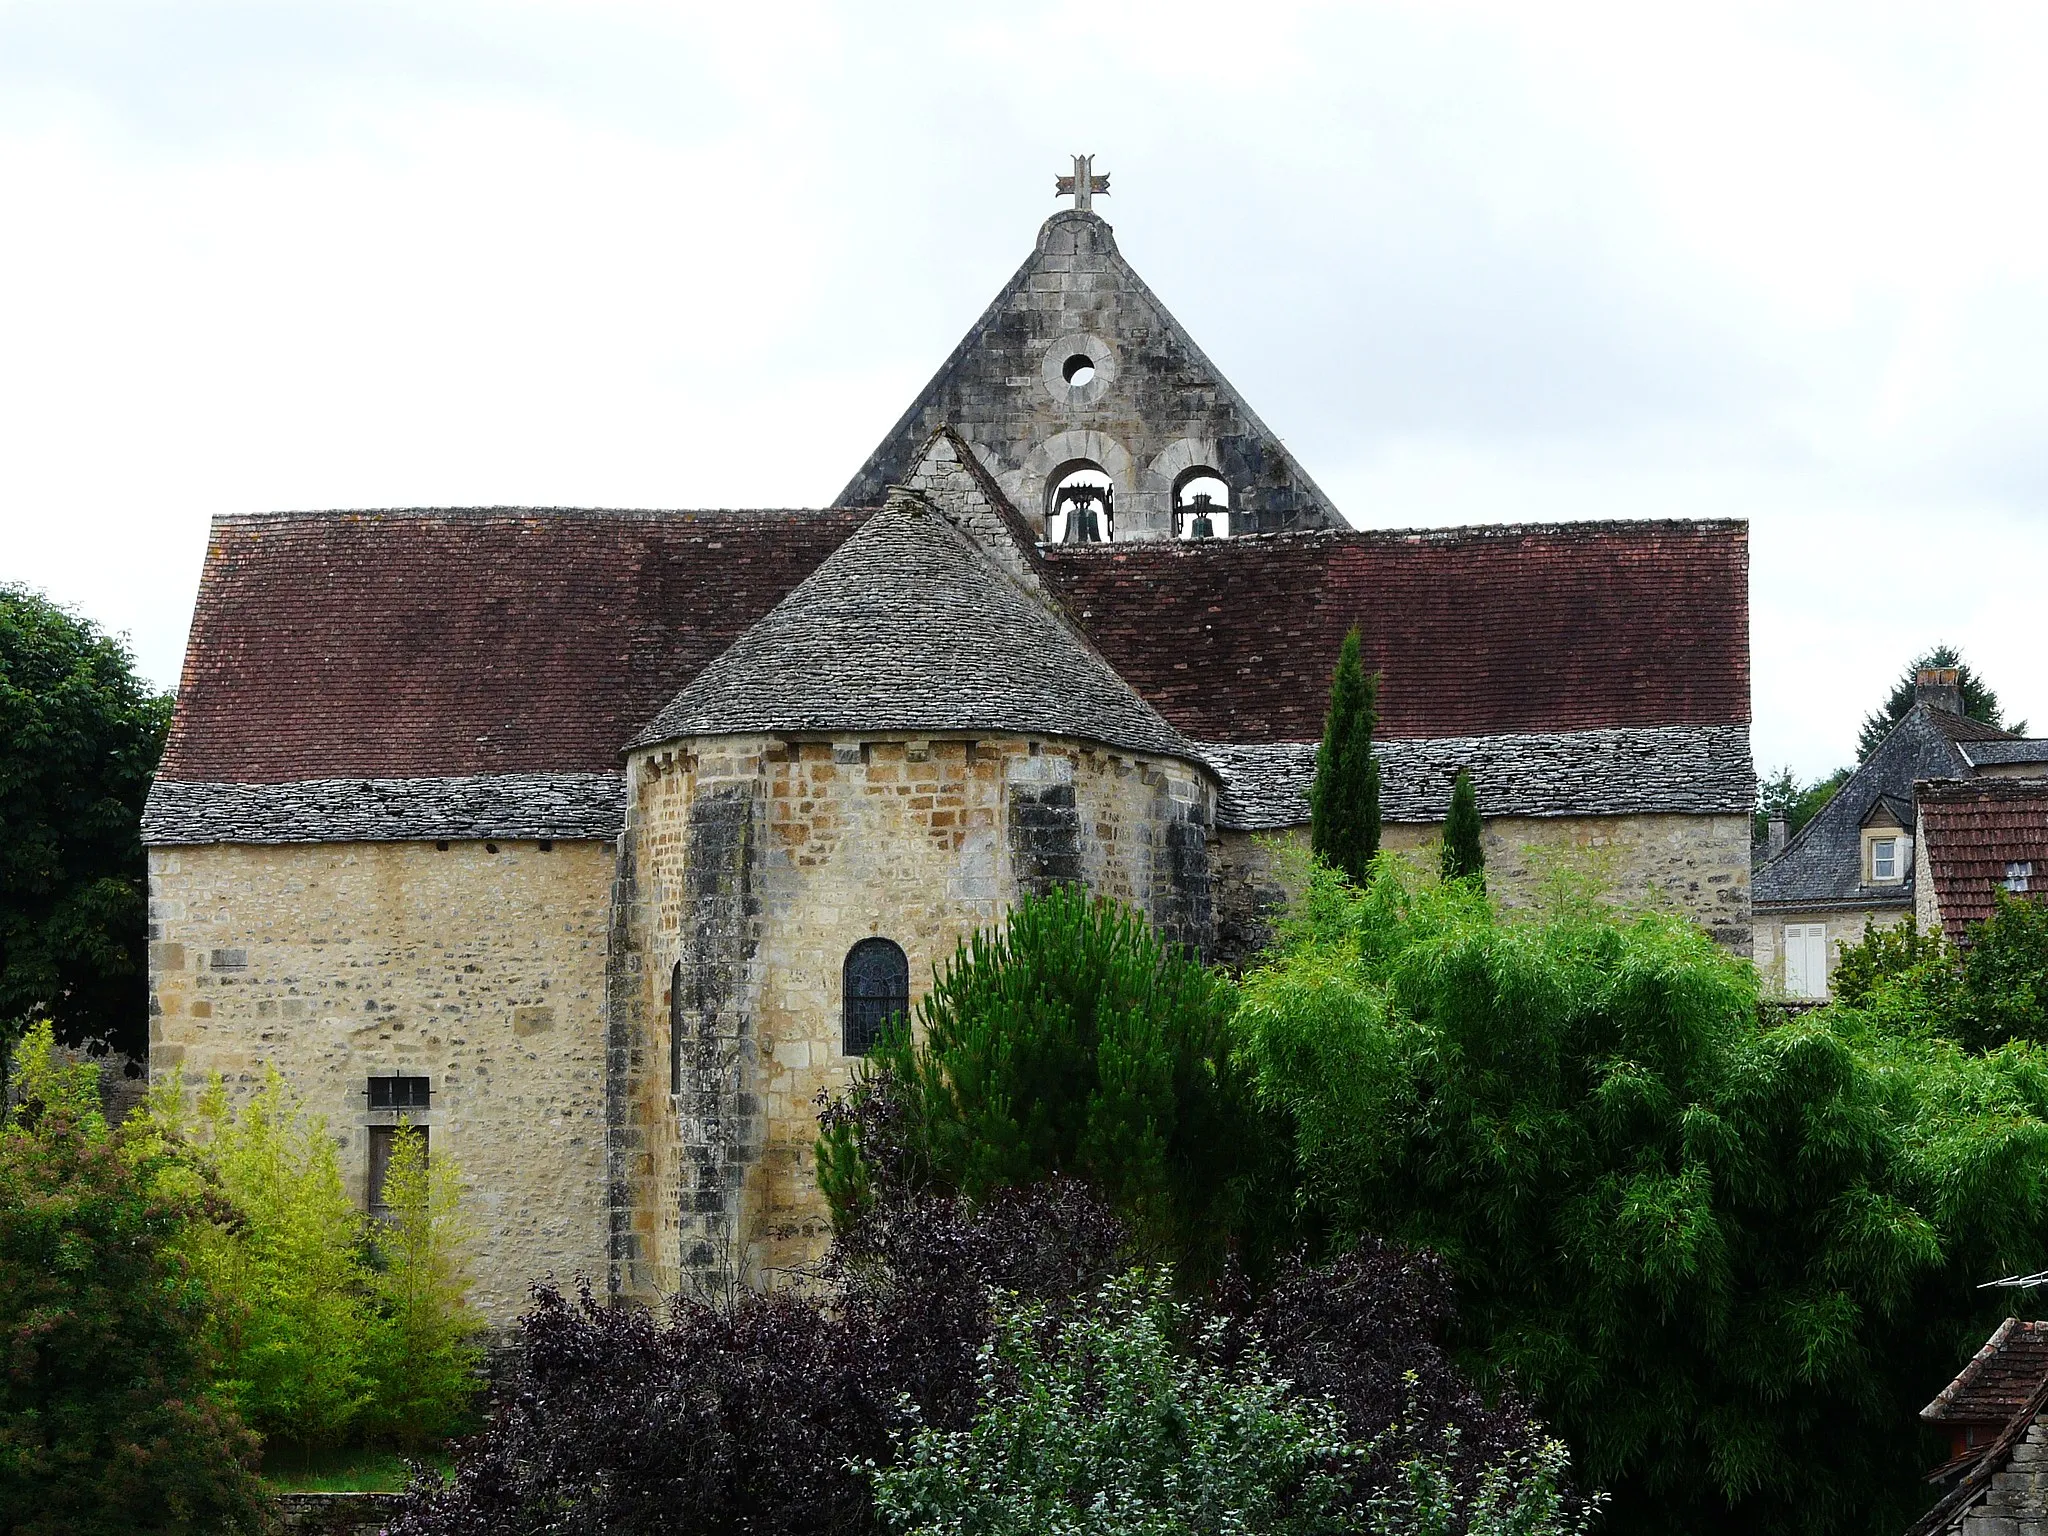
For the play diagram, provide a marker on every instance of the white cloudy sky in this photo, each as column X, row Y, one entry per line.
column 1476, row 262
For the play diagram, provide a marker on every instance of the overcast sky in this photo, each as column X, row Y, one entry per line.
column 1474, row 263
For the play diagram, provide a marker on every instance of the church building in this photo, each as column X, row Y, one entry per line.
column 598, row 843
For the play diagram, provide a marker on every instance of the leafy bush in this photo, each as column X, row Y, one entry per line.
column 1070, row 1043
column 1109, row 1427
column 424, row 1356
column 331, row 1328
column 1137, row 1415
column 750, row 1415
column 1727, row 1261
column 1992, row 991
column 109, row 1420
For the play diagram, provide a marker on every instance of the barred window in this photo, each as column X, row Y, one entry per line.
column 877, row 990
column 400, row 1093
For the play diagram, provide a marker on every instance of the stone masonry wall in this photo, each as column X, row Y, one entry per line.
column 918, row 841
column 1697, row 864
column 481, row 967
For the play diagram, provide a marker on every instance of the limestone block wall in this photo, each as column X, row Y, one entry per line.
column 480, row 966
column 1845, row 925
column 1698, row 865
column 754, row 866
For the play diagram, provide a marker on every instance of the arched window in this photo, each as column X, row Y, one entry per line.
column 1080, row 504
column 1201, row 505
column 877, row 990
column 675, row 1029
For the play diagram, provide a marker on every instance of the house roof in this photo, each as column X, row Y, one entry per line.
column 1974, row 829
column 1998, row 1379
column 2024, row 1402
column 1991, row 754
column 453, row 643
column 1476, row 631
column 1823, row 864
column 911, row 626
column 497, row 640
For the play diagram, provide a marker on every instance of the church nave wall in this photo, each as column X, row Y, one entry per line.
column 1696, row 865
column 481, row 970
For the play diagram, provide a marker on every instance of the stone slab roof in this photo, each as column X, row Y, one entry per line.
column 1475, row 631
column 566, row 806
column 455, row 643
column 1823, row 864
column 1998, row 1380
column 2002, row 753
column 1975, row 829
column 1702, row 770
column 911, row 626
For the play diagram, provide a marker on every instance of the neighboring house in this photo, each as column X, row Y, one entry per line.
column 1978, row 837
column 1853, row 865
column 1996, row 1414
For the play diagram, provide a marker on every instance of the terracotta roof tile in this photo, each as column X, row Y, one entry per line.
column 1998, row 1380
column 1975, row 830
column 1476, row 631
column 501, row 640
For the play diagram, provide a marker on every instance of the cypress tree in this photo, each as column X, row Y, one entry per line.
column 1463, row 858
column 1344, row 801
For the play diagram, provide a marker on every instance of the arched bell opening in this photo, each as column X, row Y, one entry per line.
column 1080, row 504
column 1201, row 504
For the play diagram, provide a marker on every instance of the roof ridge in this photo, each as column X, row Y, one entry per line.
column 314, row 514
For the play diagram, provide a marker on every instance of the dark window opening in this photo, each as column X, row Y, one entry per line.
column 441, row 846
column 877, row 991
column 1078, row 370
column 383, row 1142
column 547, row 845
column 675, row 1029
column 400, row 1093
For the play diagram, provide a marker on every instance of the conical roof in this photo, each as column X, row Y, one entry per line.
column 908, row 627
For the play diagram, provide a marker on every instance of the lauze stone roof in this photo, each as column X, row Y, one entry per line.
column 908, row 626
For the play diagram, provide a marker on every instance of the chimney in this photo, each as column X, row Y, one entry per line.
column 1776, row 833
column 1938, row 688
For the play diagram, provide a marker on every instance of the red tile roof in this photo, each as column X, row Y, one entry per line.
column 1998, row 1380
column 1975, row 829
column 440, row 643
column 1476, row 631
column 427, row 644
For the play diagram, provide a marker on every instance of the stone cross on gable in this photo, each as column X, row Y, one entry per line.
column 1083, row 184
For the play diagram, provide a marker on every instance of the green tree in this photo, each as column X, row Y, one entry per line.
column 1344, row 800
column 1070, row 1042
column 1781, row 794
column 1102, row 1421
column 424, row 1356
column 79, row 739
column 1729, row 1256
column 1464, row 858
column 1981, row 994
column 109, row 1421
column 295, row 1310
column 1979, row 702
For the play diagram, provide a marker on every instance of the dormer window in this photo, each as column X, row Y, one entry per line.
column 1884, row 859
column 1887, row 845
